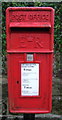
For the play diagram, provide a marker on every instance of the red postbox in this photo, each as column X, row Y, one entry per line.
column 30, row 33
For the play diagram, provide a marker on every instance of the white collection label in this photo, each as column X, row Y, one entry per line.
column 29, row 79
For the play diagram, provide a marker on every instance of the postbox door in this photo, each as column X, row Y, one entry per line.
column 22, row 80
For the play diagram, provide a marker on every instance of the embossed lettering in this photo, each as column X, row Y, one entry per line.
column 25, row 17
column 17, row 18
column 30, row 41
column 38, row 43
column 22, row 42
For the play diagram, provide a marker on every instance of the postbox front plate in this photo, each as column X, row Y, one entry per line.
column 29, row 55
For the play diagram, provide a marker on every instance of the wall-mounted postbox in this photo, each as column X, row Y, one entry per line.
column 29, row 55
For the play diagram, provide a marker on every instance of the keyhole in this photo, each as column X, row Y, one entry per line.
column 17, row 82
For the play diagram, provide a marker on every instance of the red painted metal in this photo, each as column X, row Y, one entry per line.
column 30, row 30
